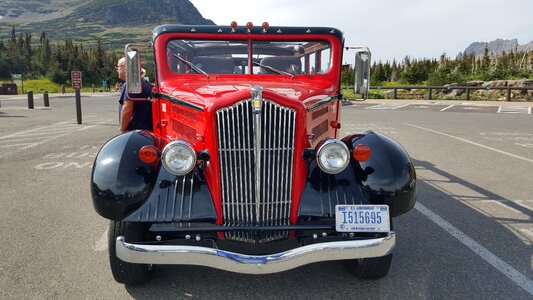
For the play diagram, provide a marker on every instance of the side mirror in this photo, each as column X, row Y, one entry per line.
column 362, row 71
column 133, row 68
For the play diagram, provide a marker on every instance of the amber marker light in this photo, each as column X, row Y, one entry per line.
column 149, row 154
column 250, row 26
column 361, row 153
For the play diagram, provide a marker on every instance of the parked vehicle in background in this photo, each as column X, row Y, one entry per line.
column 245, row 170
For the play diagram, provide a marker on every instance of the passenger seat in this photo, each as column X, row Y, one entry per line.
column 214, row 65
column 289, row 64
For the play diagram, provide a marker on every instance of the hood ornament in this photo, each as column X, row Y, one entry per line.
column 257, row 99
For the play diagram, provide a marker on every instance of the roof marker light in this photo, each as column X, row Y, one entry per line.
column 233, row 26
column 265, row 26
column 250, row 26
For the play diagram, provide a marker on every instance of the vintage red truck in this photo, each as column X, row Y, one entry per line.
column 245, row 170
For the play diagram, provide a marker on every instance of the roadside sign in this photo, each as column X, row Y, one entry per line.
column 17, row 79
column 75, row 77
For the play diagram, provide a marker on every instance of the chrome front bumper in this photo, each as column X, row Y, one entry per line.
column 253, row 264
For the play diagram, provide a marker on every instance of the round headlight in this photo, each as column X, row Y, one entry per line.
column 178, row 158
column 332, row 156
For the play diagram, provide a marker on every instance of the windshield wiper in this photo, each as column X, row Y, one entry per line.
column 273, row 69
column 190, row 64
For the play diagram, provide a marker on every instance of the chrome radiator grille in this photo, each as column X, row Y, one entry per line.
column 256, row 164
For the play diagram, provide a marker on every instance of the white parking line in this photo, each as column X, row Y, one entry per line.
column 386, row 106
column 374, row 106
column 32, row 130
column 483, row 252
column 514, row 110
column 15, row 145
column 401, row 106
column 46, row 138
column 447, row 107
column 473, row 143
column 101, row 244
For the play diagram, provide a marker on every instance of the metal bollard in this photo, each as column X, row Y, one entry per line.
column 30, row 100
column 78, row 106
column 62, row 89
column 45, row 98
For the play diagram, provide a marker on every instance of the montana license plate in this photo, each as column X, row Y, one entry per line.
column 362, row 218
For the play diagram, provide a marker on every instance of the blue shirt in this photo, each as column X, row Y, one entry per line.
column 141, row 117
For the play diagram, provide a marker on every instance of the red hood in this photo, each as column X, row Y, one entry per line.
column 205, row 92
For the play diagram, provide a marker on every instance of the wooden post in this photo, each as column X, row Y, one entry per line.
column 508, row 94
column 429, row 94
column 394, row 94
column 467, row 90
column 45, row 98
column 78, row 106
column 30, row 100
column 62, row 89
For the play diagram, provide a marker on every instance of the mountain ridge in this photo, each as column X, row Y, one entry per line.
column 496, row 47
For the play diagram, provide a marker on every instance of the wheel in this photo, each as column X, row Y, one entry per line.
column 370, row 268
column 124, row 272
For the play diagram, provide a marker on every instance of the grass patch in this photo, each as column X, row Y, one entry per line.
column 38, row 86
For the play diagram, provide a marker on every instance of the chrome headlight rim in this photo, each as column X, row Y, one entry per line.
column 171, row 145
column 332, row 143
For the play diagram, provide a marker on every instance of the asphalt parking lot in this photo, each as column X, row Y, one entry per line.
column 469, row 236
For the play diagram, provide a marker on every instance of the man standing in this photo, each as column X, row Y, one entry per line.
column 135, row 113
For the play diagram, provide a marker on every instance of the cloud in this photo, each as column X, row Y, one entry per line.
column 391, row 28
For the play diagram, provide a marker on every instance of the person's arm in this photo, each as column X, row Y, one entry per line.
column 125, row 117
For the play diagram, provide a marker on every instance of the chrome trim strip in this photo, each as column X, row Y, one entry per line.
column 178, row 101
column 257, row 96
column 253, row 264
column 323, row 102
column 222, row 160
column 231, row 142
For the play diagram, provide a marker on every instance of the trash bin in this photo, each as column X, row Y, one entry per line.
column 10, row 88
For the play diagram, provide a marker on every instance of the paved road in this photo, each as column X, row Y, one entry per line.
column 470, row 235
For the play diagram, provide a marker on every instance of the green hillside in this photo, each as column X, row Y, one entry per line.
column 114, row 22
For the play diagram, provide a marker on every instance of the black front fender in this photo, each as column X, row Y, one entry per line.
column 388, row 176
column 120, row 181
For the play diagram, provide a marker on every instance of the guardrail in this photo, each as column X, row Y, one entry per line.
column 430, row 89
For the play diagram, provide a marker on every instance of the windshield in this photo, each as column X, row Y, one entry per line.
column 237, row 57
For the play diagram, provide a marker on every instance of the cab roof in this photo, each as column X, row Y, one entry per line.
column 283, row 30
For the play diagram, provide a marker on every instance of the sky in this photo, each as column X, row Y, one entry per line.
column 391, row 29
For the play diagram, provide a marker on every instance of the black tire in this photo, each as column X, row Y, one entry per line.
column 370, row 268
column 123, row 272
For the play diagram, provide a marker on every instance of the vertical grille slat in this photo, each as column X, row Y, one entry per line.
column 256, row 165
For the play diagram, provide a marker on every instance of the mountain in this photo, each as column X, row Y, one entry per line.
column 496, row 47
column 36, row 10
column 114, row 22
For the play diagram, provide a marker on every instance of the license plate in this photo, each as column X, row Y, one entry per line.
column 362, row 218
